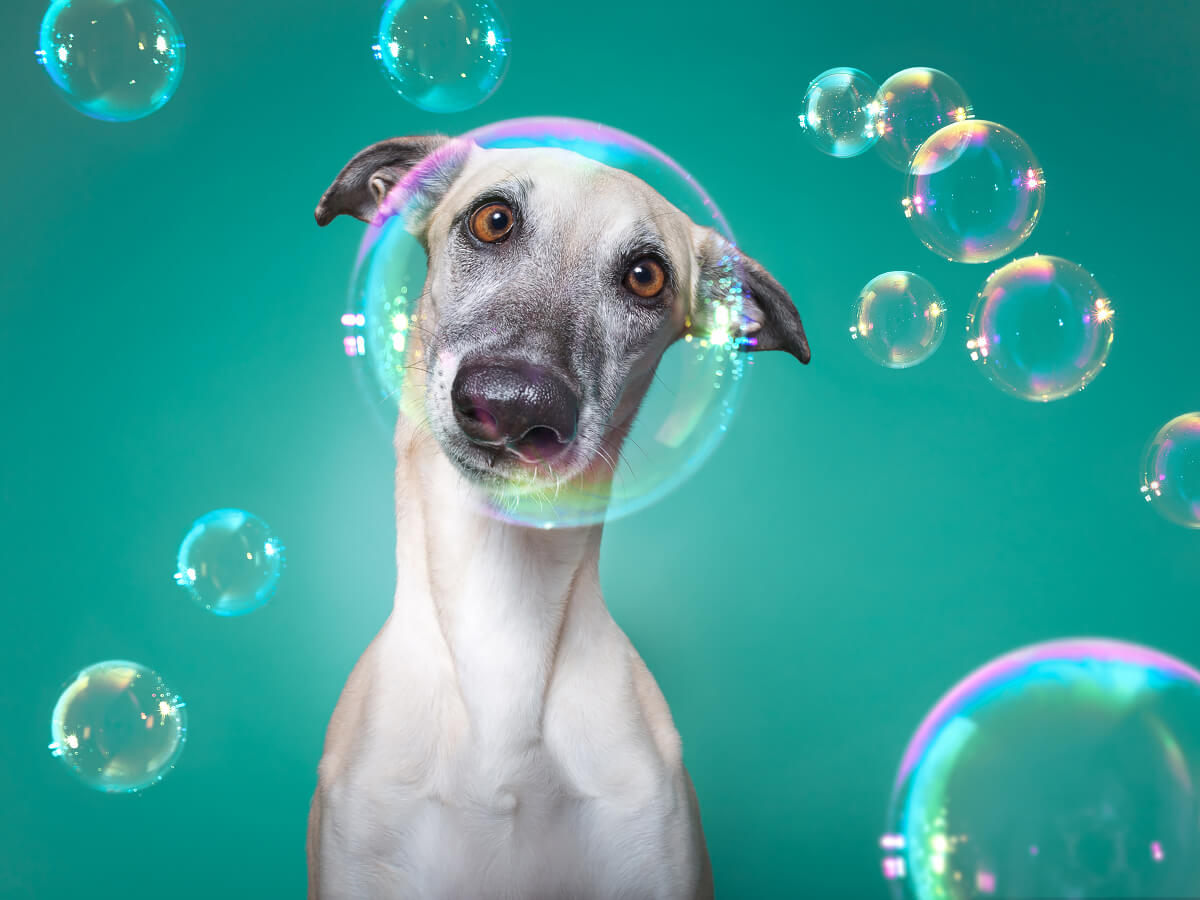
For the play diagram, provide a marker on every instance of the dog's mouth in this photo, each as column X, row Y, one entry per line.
column 538, row 462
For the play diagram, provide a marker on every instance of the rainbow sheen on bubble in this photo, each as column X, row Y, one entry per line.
column 118, row 727
column 915, row 103
column 899, row 320
column 229, row 562
column 115, row 60
column 698, row 382
column 840, row 112
column 1065, row 769
column 1041, row 328
column 975, row 191
column 443, row 56
column 1171, row 471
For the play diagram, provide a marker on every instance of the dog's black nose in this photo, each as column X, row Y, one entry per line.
column 527, row 408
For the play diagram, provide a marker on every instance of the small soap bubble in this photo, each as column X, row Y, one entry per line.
column 117, row 727
column 841, row 112
column 975, row 192
column 914, row 104
column 1041, row 328
column 443, row 56
column 1171, row 470
column 116, row 60
column 1066, row 769
column 230, row 562
column 898, row 320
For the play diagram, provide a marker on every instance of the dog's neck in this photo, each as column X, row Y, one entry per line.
column 497, row 593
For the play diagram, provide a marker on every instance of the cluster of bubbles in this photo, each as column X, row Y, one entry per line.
column 117, row 727
column 1041, row 327
column 1065, row 769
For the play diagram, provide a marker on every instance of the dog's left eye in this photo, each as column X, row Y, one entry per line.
column 646, row 278
column 492, row 222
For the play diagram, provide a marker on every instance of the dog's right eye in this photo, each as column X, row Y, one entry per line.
column 492, row 222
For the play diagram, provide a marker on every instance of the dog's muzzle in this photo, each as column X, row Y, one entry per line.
column 528, row 410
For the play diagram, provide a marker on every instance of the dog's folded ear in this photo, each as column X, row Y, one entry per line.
column 770, row 320
column 364, row 183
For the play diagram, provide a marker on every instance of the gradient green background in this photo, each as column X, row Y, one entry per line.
column 861, row 540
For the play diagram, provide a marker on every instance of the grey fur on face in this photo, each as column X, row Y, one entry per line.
column 552, row 295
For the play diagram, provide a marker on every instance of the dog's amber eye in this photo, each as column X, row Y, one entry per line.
column 646, row 278
column 492, row 222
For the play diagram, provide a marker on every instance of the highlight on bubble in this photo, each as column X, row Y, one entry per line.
column 1171, row 471
column 1063, row 769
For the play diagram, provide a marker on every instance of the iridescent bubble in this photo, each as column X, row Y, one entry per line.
column 898, row 320
column 975, row 191
column 443, row 55
column 914, row 104
column 841, row 112
column 1065, row 769
column 1041, row 328
column 117, row 727
column 1171, row 470
column 698, row 381
column 230, row 562
column 116, row 60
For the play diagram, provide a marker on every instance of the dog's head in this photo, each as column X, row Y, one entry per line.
column 554, row 285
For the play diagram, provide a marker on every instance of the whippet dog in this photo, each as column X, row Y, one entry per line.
column 501, row 737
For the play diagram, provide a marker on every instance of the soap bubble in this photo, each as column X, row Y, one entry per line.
column 898, row 320
column 1066, row 769
column 117, row 727
column 1041, row 328
column 1171, row 470
column 841, row 112
column 698, row 382
column 116, row 60
column 974, row 192
column 444, row 56
column 230, row 562
column 914, row 104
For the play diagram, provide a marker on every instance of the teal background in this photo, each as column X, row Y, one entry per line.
column 863, row 538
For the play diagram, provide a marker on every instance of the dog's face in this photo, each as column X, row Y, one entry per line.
column 554, row 285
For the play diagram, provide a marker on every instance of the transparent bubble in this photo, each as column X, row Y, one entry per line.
column 230, row 562
column 1066, row 769
column 898, row 320
column 698, row 381
column 117, row 727
column 841, row 112
column 116, row 60
column 914, row 104
column 443, row 55
column 975, row 192
column 1171, row 470
column 1041, row 328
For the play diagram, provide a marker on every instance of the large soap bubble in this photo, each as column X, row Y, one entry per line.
column 975, row 192
column 116, row 60
column 1171, row 470
column 698, row 381
column 1041, row 328
column 841, row 112
column 229, row 562
column 117, row 727
column 1066, row 769
column 443, row 55
column 898, row 320
column 914, row 103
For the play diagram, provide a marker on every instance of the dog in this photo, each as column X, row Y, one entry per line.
column 500, row 737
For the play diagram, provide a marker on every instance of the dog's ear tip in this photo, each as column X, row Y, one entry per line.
column 323, row 215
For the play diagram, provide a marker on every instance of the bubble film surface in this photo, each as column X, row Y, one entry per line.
column 230, row 562
column 444, row 56
column 115, row 60
column 118, row 727
column 1041, row 328
column 1065, row 769
column 975, row 192
column 840, row 112
column 1171, row 470
column 914, row 104
column 898, row 320
column 691, row 397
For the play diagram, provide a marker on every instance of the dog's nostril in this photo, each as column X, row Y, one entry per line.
column 542, row 440
column 480, row 415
